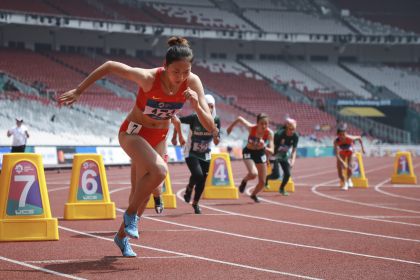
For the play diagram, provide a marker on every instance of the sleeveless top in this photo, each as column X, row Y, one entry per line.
column 253, row 139
column 158, row 105
column 345, row 145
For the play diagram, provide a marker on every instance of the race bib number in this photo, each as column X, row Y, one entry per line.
column 161, row 110
column 247, row 156
column 208, row 156
column 133, row 128
column 263, row 158
column 24, row 196
column 90, row 187
column 200, row 147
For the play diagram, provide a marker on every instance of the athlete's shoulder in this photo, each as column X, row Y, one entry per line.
column 194, row 80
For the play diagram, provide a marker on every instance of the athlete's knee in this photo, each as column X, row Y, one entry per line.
column 252, row 175
column 159, row 171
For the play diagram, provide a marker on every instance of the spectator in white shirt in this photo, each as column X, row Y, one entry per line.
column 20, row 135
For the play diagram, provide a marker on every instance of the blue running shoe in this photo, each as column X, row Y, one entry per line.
column 125, row 247
column 130, row 222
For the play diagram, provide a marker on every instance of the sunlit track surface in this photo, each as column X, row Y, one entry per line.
column 318, row 232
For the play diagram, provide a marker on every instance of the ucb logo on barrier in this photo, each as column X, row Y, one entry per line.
column 403, row 169
column 219, row 182
column 88, row 195
column 24, row 204
column 168, row 197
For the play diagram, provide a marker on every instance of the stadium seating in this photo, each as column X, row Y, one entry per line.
column 66, row 126
column 295, row 22
column 34, row 6
column 404, row 14
column 202, row 16
column 401, row 82
column 257, row 96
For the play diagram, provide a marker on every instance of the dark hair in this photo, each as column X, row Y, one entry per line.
column 179, row 49
column 342, row 128
column 261, row 116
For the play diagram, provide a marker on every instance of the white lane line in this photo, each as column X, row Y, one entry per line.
column 178, row 194
column 96, row 260
column 58, row 189
column 286, row 243
column 378, row 189
column 335, row 213
column 119, row 189
column 404, row 186
column 314, row 190
column 396, row 217
column 41, row 269
column 193, row 256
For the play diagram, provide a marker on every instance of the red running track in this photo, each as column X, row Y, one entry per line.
column 318, row 232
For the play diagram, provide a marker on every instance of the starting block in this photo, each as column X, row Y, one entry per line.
column 168, row 197
column 358, row 177
column 274, row 185
column 88, row 196
column 219, row 182
column 403, row 169
column 25, row 213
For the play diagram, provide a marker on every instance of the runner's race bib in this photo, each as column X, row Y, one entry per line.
column 161, row 110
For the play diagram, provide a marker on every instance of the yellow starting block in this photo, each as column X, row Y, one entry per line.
column 168, row 197
column 358, row 177
column 403, row 169
column 24, row 205
column 89, row 196
column 274, row 185
column 219, row 182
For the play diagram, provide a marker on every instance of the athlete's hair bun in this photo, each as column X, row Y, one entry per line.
column 178, row 41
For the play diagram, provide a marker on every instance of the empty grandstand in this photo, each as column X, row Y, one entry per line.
column 285, row 58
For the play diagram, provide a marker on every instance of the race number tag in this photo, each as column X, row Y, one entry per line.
column 356, row 169
column 263, row 158
column 207, row 156
column 200, row 147
column 220, row 173
column 133, row 128
column 161, row 110
column 90, row 187
column 24, row 195
column 247, row 156
column 403, row 165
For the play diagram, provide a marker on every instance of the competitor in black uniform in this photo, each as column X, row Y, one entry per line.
column 197, row 152
column 284, row 138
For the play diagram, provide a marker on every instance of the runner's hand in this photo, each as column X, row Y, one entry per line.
column 69, row 97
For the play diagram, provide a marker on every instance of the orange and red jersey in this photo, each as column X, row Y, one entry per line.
column 158, row 105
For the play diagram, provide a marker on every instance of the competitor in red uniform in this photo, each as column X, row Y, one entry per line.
column 254, row 153
column 162, row 93
column 344, row 148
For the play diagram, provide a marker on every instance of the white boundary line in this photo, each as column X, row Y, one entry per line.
column 193, row 256
column 378, row 189
column 314, row 190
column 41, row 268
column 284, row 242
column 311, row 226
column 334, row 213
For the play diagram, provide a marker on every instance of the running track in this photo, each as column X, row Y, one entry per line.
column 319, row 232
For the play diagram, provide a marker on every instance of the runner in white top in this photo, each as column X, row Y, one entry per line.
column 20, row 135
